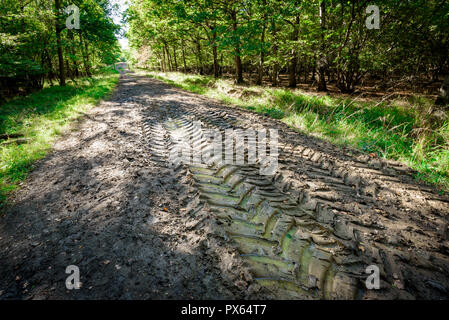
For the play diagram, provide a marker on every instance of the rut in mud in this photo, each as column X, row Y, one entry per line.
column 309, row 231
column 313, row 229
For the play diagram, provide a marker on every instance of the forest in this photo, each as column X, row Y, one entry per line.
column 37, row 47
column 347, row 43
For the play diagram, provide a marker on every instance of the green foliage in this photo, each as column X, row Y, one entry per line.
column 29, row 46
column 291, row 36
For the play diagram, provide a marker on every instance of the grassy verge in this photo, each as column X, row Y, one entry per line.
column 38, row 119
column 410, row 130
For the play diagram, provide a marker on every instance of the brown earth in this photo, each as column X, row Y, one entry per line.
column 108, row 200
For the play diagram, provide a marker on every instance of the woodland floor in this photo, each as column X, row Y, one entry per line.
column 108, row 200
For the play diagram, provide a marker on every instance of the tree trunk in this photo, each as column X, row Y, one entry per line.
column 237, row 58
column 215, row 54
column 58, row 29
column 314, row 69
column 199, row 56
column 86, row 46
column 294, row 59
column 238, row 67
column 262, row 53
column 174, row 57
column 184, row 57
column 164, row 65
column 50, row 67
column 73, row 53
column 261, row 59
column 322, row 59
column 85, row 60
column 275, row 75
column 161, row 67
column 170, row 65
column 306, row 69
column 321, row 75
column 69, row 73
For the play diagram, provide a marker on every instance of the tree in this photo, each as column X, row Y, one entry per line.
column 322, row 58
column 35, row 45
column 58, row 29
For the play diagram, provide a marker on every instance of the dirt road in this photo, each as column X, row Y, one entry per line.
column 109, row 201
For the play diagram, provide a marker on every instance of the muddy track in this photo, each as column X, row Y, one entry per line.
column 312, row 229
column 189, row 230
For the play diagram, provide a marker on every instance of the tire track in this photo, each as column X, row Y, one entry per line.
column 312, row 229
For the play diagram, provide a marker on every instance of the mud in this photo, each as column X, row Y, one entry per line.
column 108, row 200
column 99, row 202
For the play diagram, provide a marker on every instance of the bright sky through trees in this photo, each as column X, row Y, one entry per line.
column 122, row 5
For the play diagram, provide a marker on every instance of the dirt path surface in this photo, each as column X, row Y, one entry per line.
column 109, row 201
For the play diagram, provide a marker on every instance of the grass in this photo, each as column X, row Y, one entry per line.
column 40, row 117
column 409, row 130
